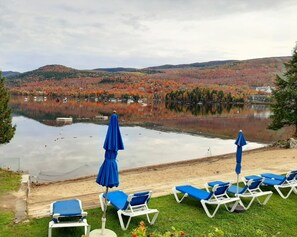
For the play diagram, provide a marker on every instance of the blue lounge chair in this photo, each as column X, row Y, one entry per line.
column 68, row 213
column 130, row 205
column 279, row 182
column 215, row 197
column 251, row 190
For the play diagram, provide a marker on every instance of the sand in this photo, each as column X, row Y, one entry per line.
column 161, row 179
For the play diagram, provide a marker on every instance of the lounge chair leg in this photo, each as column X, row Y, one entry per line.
column 87, row 230
column 269, row 194
column 251, row 202
column 277, row 188
column 122, row 221
column 154, row 218
column 50, row 229
column 234, row 205
column 207, row 211
column 179, row 200
column 50, row 232
column 248, row 205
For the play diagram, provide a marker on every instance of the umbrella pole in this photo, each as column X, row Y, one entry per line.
column 237, row 184
column 104, row 213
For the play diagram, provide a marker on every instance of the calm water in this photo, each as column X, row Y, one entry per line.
column 57, row 153
column 153, row 133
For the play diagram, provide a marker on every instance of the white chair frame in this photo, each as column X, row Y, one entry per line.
column 216, row 200
column 254, row 194
column 287, row 184
column 133, row 211
column 62, row 224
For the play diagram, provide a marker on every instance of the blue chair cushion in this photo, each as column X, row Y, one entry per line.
column 118, row 199
column 292, row 175
column 255, row 184
column 273, row 176
column 194, row 192
column 222, row 187
column 272, row 182
column 212, row 184
column 233, row 189
column 255, row 177
column 139, row 198
column 67, row 208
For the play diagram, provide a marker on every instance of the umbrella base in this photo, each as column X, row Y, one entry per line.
column 239, row 209
column 107, row 233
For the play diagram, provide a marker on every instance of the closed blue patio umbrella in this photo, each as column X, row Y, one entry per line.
column 240, row 142
column 108, row 175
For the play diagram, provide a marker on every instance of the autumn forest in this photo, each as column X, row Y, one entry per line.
column 236, row 80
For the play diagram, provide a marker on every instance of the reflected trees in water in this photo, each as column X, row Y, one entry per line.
column 216, row 119
column 202, row 109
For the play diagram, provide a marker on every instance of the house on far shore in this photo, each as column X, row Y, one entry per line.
column 266, row 89
column 259, row 99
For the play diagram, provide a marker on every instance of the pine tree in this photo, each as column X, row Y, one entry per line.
column 6, row 128
column 284, row 97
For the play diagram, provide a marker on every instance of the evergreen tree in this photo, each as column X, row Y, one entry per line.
column 284, row 97
column 6, row 128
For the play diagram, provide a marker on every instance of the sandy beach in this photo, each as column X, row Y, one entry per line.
column 161, row 179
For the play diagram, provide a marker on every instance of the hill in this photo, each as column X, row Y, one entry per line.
column 236, row 77
column 123, row 69
column 250, row 73
column 198, row 65
column 168, row 66
column 52, row 72
column 9, row 73
column 117, row 69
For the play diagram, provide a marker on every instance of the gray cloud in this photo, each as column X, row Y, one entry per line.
column 138, row 33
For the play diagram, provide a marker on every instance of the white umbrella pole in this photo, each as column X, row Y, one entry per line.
column 104, row 213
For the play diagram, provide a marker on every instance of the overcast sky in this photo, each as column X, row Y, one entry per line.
column 87, row 34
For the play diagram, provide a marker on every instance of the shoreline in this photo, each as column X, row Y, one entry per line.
column 160, row 166
column 160, row 179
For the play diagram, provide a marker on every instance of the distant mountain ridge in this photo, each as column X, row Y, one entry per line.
column 249, row 73
column 57, row 68
column 209, row 64
column 232, row 76
column 62, row 72
column 117, row 69
column 52, row 72
column 199, row 65
column 168, row 66
column 10, row 73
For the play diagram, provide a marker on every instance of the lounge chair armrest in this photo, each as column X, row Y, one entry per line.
column 56, row 217
column 52, row 209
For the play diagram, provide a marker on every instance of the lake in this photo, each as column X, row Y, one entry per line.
column 152, row 134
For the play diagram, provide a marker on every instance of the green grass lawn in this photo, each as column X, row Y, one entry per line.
column 9, row 181
column 277, row 218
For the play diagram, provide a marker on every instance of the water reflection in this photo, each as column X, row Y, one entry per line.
column 153, row 133
column 215, row 119
column 57, row 153
column 203, row 109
